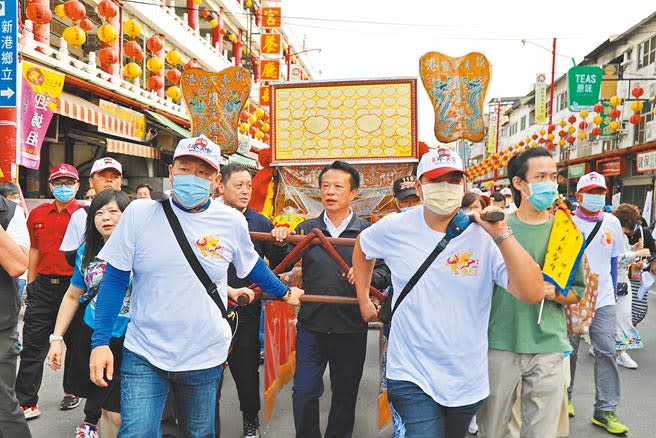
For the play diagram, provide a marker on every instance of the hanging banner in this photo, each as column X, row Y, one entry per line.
column 541, row 99
column 269, row 69
column 270, row 44
column 583, row 87
column 492, row 135
column 271, row 18
column 40, row 91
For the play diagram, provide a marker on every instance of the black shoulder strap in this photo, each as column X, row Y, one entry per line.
column 7, row 211
column 429, row 260
column 593, row 233
column 209, row 285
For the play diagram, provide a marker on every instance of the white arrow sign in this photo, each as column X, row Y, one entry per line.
column 7, row 93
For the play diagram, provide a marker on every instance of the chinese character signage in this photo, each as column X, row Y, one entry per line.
column 269, row 69
column 136, row 121
column 265, row 95
column 541, row 99
column 610, row 166
column 8, row 61
column 492, row 135
column 583, row 87
column 40, row 91
column 270, row 44
column 315, row 122
column 576, row 170
column 215, row 100
column 646, row 161
column 271, row 18
column 563, row 251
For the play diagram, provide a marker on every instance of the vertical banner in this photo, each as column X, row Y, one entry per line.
column 279, row 351
column 40, row 91
column 492, row 134
column 541, row 99
column 646, row 211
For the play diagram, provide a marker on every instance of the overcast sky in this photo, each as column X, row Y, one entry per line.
column 355, row 45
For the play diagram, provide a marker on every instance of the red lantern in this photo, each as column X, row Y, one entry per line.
column 191, row 64
column 635, row 119
column 204, row 12
column 86, row 25
column 598, row 108
column 571, row 139
column 615, row 113
column 571, row 119
column 154, row 44
column 223, row 31
column 252, row 130
column 155, row 82
column 596, row 131
column 521, row 143
column 266, row 138
column 39, row 13
column 243, row 116
column 173, row 75
column 107, row 56
column 266, row 117
column 541, row 140
column 534, row 136
column 107, row 9
column 550, row 146
column 251, row 107
column 551, row 128
column 637, row 91
column 583, row 125
column 131, row 49
column 562, row 134
column 75, row 10
column 139, row 56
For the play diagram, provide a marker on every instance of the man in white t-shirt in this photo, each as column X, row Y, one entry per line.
column 14, row 247
column 604, row 232
column 437, row 354
column 106, row 174
column 177, row 338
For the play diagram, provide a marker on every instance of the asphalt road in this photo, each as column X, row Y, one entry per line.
column 637, row 408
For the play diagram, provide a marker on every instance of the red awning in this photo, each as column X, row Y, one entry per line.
column 134, row 149
column 87, row 112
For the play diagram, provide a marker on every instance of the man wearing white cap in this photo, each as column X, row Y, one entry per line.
column 508, row 196
column 440, row 330
column 177, row 338
column 605, row 243
column 106, row 174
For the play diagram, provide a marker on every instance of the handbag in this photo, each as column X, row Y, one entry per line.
column 210, row 287
column 457, row 225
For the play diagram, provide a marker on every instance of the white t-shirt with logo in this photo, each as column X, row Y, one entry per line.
column 606, row 244
column 74, row 236
column 174, row 323
column 438, row 338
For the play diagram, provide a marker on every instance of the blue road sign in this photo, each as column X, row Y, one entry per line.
column 8, row 52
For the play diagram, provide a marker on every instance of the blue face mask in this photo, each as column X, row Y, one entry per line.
column 543, row 194
column 593, row 203
column 64, row 193
column 190, row 190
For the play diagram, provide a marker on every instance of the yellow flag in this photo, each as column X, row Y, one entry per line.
column 564, row 251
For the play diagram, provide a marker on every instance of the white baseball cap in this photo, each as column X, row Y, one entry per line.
column 592, row 180
column 106, row 163
column 200, row 147
column 438, row 162
column 506, row 192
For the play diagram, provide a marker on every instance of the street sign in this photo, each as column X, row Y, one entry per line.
column 8, row 60
column 583, row 87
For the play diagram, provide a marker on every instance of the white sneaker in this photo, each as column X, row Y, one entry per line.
column 473, row 427
column 31, row 411
column 625, row 360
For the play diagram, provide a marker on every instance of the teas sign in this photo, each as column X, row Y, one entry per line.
column 583, row 87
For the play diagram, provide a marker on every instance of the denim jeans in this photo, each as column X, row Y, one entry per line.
column 144, row 389
column 20, row 283
column 416, row 415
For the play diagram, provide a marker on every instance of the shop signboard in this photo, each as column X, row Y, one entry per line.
column 646, row 161
column 271, row 18
column 8, row 58
column 610, row 166
column 270, row 44
column 136, row 121
column 583, row 87
column 576, row 170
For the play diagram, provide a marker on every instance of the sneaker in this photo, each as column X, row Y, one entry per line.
column 31, row 411
column 609, row 421
column 250, row 429
column 625, row 361
column 85, row 430
column 570, row 408
column 473, row 427
column 69, row 401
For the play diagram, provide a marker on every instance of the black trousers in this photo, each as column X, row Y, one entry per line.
column 43, row 300
column 244, row 363
column 12, row 420
column 346, row 354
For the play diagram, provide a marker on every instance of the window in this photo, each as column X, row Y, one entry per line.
column 512, row 130
column 522, row 123
column 561, row 101
column 647, row 52
column 646, row 117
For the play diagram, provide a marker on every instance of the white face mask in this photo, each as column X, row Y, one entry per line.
column 442, row 198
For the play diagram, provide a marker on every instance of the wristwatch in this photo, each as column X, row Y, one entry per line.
column 53, row 338
column 503, row 236
column 287, row 295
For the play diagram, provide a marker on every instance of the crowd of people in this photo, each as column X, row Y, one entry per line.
column 147, row 347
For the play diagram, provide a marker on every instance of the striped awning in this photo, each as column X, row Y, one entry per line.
column 134, row 149
column 87, row 112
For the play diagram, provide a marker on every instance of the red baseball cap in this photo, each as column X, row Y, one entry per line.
column 63, row 170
